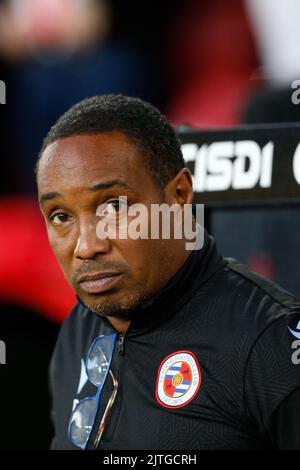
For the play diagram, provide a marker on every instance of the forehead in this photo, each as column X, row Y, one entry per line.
column 84, row 160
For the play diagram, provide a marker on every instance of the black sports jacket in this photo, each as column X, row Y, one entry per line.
column 210, row 362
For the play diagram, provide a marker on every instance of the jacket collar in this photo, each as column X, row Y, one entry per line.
column 197, row 269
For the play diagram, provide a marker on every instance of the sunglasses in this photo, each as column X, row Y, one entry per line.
column 97, row 366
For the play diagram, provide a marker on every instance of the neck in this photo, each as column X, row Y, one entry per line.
column 121, row 326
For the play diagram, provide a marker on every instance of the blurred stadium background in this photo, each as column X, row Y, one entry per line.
column 207, row 64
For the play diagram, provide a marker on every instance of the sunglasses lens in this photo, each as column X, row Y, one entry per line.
column 99, row 358
column 97, row 366
column 82, row 422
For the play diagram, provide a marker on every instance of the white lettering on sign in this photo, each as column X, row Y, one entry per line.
column 223, row 165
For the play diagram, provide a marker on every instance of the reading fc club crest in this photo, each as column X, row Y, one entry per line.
column 178, row 379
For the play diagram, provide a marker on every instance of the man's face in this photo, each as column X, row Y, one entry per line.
column 76, row 175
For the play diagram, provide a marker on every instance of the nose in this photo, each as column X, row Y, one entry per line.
column 88, row 244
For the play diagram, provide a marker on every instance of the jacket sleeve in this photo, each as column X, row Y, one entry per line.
column 284, row 426
column 272, row 384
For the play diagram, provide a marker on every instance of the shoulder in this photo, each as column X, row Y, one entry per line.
column 256, row 301
column 69, row 336
column 247, row 309
column 80, row 327
column 266, row 287
column 268, row 317
column 78, row 319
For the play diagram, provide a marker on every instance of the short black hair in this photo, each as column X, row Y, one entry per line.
column 141, row 122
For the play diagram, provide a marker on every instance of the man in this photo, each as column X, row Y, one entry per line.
column 167, row 348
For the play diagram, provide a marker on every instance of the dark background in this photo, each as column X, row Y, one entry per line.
column 202, row 62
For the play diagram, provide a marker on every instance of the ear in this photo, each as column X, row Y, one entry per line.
column 180, row 189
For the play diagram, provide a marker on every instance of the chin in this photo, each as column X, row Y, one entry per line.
column 120, row 307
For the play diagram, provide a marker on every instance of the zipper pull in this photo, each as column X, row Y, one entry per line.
column 121, row 344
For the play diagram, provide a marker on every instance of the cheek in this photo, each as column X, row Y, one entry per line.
column 61, row 248
column 142, row 256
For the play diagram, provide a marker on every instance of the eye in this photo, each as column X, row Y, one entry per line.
column 116, row 206
column 110, row 208
column 59, row 218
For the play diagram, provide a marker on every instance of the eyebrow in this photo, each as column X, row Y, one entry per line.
column 96, row 187
column 108, row 184
column 48, row 196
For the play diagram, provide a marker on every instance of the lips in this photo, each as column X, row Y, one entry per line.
column 100, row 282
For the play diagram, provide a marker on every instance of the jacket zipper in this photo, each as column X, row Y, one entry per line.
column 121, row 343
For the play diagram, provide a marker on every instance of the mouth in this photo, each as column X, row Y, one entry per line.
column 99, row 283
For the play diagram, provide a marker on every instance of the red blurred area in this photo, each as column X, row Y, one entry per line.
column 45, row 21
column 263, row 264
column 29, row 273
column 212, row 60
column 46, row 15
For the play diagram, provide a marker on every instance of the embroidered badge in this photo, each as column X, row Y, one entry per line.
column 178, row 379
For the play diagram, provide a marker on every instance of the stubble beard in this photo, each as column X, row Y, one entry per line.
column 123, row 308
